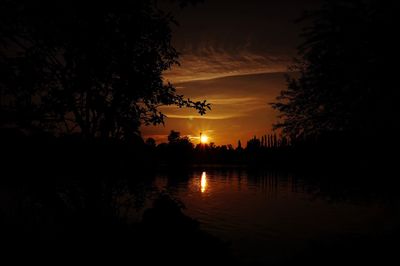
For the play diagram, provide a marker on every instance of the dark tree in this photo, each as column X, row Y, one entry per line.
column 254, row 144
column 342, row 80
column 151, row 142
column 175, row 140
column 179, row 149
column 91, row 67
column 174, row 137
column 239, row 147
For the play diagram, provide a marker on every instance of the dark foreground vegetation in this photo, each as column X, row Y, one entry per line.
column 90, row 220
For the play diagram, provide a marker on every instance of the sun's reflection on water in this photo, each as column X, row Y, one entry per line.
column 203, row 182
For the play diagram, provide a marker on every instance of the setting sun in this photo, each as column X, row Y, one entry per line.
column 204, row 139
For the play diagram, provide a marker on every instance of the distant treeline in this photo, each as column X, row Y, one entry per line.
column 273, row 150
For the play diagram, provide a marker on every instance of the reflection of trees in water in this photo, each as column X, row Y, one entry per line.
column 275, row 183
column 96, row 198
column 352, row 187
column 97, row 213
column 340, row 186
column 363, row 188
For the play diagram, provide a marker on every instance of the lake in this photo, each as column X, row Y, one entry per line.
column 266, row 217
column 270, row 217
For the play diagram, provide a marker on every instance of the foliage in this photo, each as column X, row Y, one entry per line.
column 342, row 81
column 86, row 66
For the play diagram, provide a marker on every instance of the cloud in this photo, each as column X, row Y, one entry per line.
column 208, row 62
column 211, row 117
column 222, row 99
column 223, row 107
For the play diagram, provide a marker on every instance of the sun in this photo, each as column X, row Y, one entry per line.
column 204, row 139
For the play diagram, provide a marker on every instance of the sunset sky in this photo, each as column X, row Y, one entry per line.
column 234, row 55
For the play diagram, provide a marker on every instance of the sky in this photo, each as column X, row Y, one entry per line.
column 234, row 54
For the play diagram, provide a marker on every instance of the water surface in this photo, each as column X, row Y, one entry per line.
column 269, row 216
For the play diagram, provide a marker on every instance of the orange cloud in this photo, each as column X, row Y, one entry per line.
column 208, row 62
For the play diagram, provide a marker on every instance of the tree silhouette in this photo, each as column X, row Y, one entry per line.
column 239, row 146
column 344, row 83
column 174, row 137
column 151, row 142
column 89, row 67
column 179, row 149
column 254, row 144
